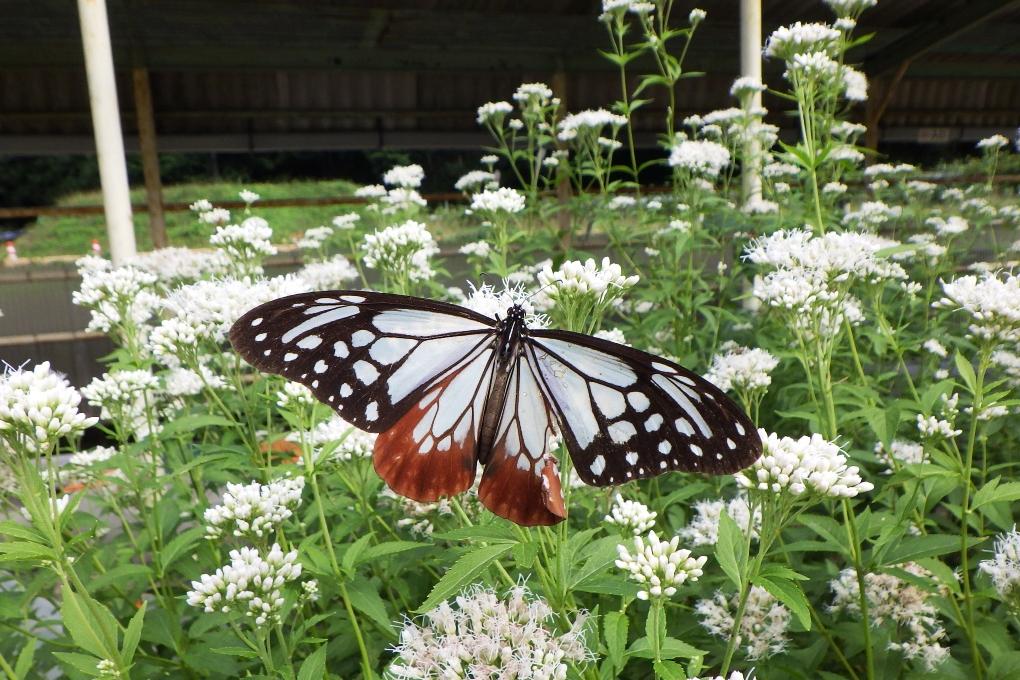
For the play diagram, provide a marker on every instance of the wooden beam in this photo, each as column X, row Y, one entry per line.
column 930, row 35
column 878, row 102
column 150, row 156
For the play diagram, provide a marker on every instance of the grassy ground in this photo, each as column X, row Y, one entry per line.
column 73, row 235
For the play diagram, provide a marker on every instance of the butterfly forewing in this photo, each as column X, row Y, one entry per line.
column 625, row 414
column 368, row 355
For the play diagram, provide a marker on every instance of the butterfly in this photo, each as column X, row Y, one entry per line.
column 447, row 388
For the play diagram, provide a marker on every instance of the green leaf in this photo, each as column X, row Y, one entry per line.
column 353, row 552
column 490, row 533
column 609, row 585
column 913, row 548
column 729, row 549
column 178, row 546
column 242, row 652
column 525, row 554
column 671, row 649
column 601, row 557
column 22, row 551
column 966, row 372
column 82, row 663
column 20, row 531
column 366, row 600
column 790, row 594
column 615, row 625
column 993, row 492
column 26, row 657
column 118, row 575
column 184, row 424
column 132, row 634
column 374, row 552
column 91, row 625
column 314, row 667
column 463, row 571
column 670, row 670
column 779, row 571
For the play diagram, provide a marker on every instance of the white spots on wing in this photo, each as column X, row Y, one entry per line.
column 326, row 301
column 685, row 380
column 315, row 383
column 340, row 350
column 256, row 322
column 719, row 456
column 663, row 367
column 428, row 398
column 320, row 366
column 362, row 338
column 289, row 356
column 570, row 391
column 696, row 450
column 424, row 323
column 260, row 337
column 663, row 465
column 690, row 393
column 730, row 443
column 653, row 423
column 740, row 428
column 638, row 401
column 512, row 442
column 425, row 424
column 621, row 432
column 267, row 352
column 345, row 391
column 388, row 351
column 594, row 363
column 372, row 411
column 609, row 401
column 665, row 447
column 462, row 429
column 309, row 342
column 332, row 398
column 598, row 465
column 366, row 372
column 673, row 390
column 426, row 445
column 444, row 444
column 632, row 458
column 353, row 299
column 683, row 426
column 329, row 316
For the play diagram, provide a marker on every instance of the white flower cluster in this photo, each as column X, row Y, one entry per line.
column 950, row 226
column 494, row 302
column 245, row 244
column 400, row 199
column 839, row 255
column 1004, row 568
column 993, row 143
column 659, row 566
column 993, row 302
column 38, row 407
column 591, row 120
column 809, row 465
column 799, row 38
column 483, row 636
column 294, row 395
column 501, row 200
column 901, row 452
column 370, row 191
column 248, row 196
column 346, row 222
column 344, row 441
column 700, row 158
column 404, row 176
column 249, row 581
column 180, row 264
column 704, row 527
column 811, row 67
column 479, row 249
column 116, row 296
column 871, row 215
column 333, row 273
column 494, row 112
column 254, row 509
column 631, row 516
column 762, row 629
column 403, row 248
column 528, row 92
column 588, row 278
column 944, row 426
column 855, row 84
column 127, row 397
column 905, row 606
column 850, row 8
column 475, row 179
column 739, row 368
column 214, row 216
column 314, row 238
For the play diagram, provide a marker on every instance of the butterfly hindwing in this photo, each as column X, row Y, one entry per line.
column 432, row 450
column 521, row 481
column 626, row 414
column 367, row 355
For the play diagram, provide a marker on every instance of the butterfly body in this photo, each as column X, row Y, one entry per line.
column 447, row 388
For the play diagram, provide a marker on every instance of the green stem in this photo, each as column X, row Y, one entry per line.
column 850, row 521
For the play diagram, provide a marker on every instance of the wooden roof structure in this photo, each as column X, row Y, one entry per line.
column 226, row 75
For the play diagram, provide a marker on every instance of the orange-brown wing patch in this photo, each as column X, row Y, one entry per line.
column 432, row 451
column 521, row 482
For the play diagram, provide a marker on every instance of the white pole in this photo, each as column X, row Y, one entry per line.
column 95, row 38
column 750, row 66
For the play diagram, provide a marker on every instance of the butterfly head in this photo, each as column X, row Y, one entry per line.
column 516, row 313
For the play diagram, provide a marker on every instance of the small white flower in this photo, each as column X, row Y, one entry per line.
column 248, row 197
column 38, row 407
column 740, row 368
column 254, row 509
column 992, row 301
column 480, row 249
column 700, row 157
column 493, row 112
column 404, row 176
column 1004, row 568
column 799, row 38
column 762, row 629
column 935, row 347
column 405, row 247
column 591, row 120
column 370, row 191
column 346, row 221
column 808, row 465
column 704, row 527
column 294, row 395
column 475, row 179
column 993, row 143
column 901, row 452
column 501, row 200
column 659, row 566
column 333, row 273
column 631, row 516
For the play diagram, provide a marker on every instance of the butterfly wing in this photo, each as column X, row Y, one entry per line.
column 626, row 414
column 521, row 481
column 369, row 356
column 414, row 370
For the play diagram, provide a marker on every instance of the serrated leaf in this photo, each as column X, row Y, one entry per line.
column 670, row 670
column 82, row 663
column 242, row 652
column 525, row 554
column 779, row 571
column 23, row 551
column 118, row 575
column 366, row 600
column 314, row 667
column 790, row 594
column 994, row 492
column 913, row 548
column 132, row 634
column 374, row 552
column 615, row 626
column 463, row 571
column 966, row 371
column 490, row 533
column 178, row 546
column 609, row 585
column 671, row 649
column 26, row 657
column 91, row 625
column 353, row 552
column 20, row 531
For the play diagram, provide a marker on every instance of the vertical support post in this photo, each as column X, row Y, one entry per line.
column 750, row 66
column 150, row 155
column 95, row 38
